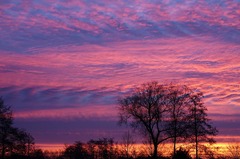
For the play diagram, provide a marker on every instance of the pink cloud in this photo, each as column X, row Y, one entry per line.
column 89, row 112
column 121, row 65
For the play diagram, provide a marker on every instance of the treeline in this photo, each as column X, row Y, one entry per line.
column 107, row 148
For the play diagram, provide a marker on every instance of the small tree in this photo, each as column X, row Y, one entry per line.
column 127, row 142
column 199, row 129
column 144, row 110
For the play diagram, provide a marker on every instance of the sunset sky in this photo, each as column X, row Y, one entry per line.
column 64, row 63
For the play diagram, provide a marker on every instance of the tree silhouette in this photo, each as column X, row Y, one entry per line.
column 200, row 130
column 5, row 127
column 127, row 143
column 102, row 148
column 12, row 140
column 177, row 99
column 144, row 109
column 163, row 112
column 77, row 150
column 22, row 142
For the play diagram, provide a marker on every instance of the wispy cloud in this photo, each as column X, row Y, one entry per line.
column 43, row 23
column 123, row 64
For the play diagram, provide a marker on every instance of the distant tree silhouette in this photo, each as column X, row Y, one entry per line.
column 12, row 140
column 77, row 150
column 94, row 149
column 144, row 109
column 22, row 142
column 102, row 148
column 199, row 129
column 177, row 100
column 29, row 142
column 127, row 142
column 181, row 154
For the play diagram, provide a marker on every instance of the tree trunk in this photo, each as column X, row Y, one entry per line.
column 28, row 148
column 174, row 145
column 196, row 140
column 175, row 130
column 196, row 130
column 175, row 136
column 155, row 148
column 3, row 151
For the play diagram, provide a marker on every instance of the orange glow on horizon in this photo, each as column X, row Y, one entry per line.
column 219, row 149
column 50, row 147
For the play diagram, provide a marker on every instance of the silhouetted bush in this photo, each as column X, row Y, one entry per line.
column 38, row 154
column 77, row 150
column 181, row 154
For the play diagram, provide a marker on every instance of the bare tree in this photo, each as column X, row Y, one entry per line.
column 163, row 112
column 177, row 101
column 144, row 110
column 200, row 129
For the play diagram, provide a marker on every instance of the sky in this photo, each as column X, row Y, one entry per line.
column 64, row 63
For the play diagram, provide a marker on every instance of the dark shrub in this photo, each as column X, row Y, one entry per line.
column 181, row 154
